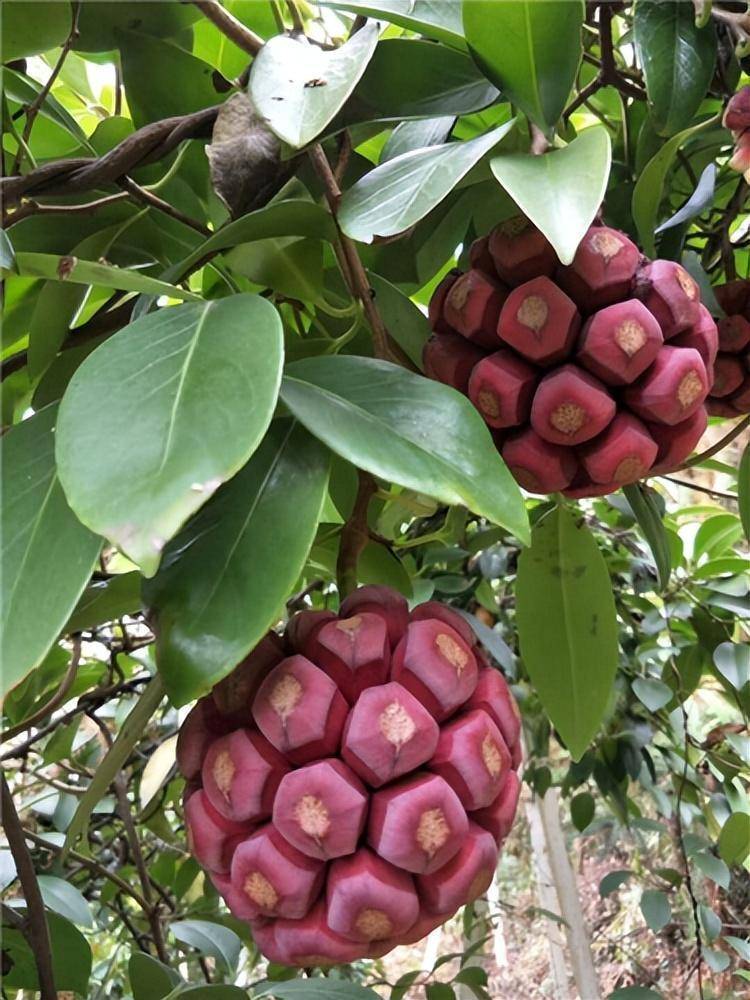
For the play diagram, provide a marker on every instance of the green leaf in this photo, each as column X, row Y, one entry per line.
column 210, row 602
column 31, row 28
column 642, row 500
column 717, row 535
column 582, row 809
column 100, row 20
column 734, row 839
column 298, row 88
column 161, row 79
column 65, row 899
column 23, row 90
column 396, row 194
column 149, row 979
column 713, row 868
column 216, row 991
column 321, row 988
column 634, row 993
column 717, row 961
column 211, row 939
column 405, row 322
column 710, row 922
column 416, row 135
column 530, row 50
column 741, row 946
column 7, row 255
column 648, row 191
column 562, row 190
column 732, row 660
column 196, row 386
column 743, row 490
column 700, row 200
column 654, row 694
column 89, row 272
column 439, row 991
column 130, row 733
column 613, row 880
column 406, row 429
column 431, row 18
column 656, row 909
column 563, row 582
column 289, row 266
column 71, row 958
column 104, row 600
column 47, row 553
column 677, row 59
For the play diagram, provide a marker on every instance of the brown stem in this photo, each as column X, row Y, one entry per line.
column 33, row 109
column 55, row 701
column 31, row 207
column 37, row 930
column 228, row 25
column 352, row 268
column 297, row 22
column 153, row 201
column 700, row 489
column 354, row 536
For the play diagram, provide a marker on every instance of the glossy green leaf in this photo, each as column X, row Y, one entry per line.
column 402, row 191
column 30, row 28
column 647, row 512
column 215, row 940
column 716, row 536
column 563, row 582
column 47, row 554
column 100, row 20
column 196, row 385
column 71, row 958
column 649, row 189
column 210, row 602
column 23, row 90
column 65, row 899
column 105, row 600
column 405, row 322
column 677, row 59
column 734, row 839
column 530, row 50
column 713, row 868
column 743, row 490
column 416, row 135
column 656, row 909
column 289, row 266
column 582, row 809
column 299, row 88
column 150, row 979
column 654, row 694
column 431, row 18
column 613, row 880
column 315, row 988
column 562, row 190
column 7, row 256
column 406, row 429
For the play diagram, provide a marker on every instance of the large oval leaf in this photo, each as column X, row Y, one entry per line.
column 562, row 190
column 438, row 20
column 402, row 191
column 225, row 577
column 567, row 626
column 47, row 554
column 406, row 429
column 530, row 50
column 298, row 88
column 29, row 28
column 677, row 59
column 163, row 413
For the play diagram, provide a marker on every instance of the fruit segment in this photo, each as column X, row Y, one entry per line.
column 436, row 309
column 274, row 878
column 520, row 252
column 570, row 406
column 501, row 387
column 539, row 321
column 734, row 333
column 436, row 665
column 466, row 876
column 472, row 757
column 212, row 837
column 233, row 696
column 729, row 374
column 493, row 696
column 310, row 941
column 442, row 613
column 622, row 454
column 202, row 725
column 538, row 465
column 672, row 389
column 603, row 269
column 498, row 816
column 472, row 307
column 671, row 294
column 383, row 601
column 241, row 774
column 618, row 343
column 369, row 899
column 450, row 359
column 677, row 442
column 353, row 651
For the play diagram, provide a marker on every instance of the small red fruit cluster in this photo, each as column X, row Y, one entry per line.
column 589, row 376
column 737, row 120
column 349, row 785
column 730, row 392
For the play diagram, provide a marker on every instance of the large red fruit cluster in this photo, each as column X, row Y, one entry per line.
column 349, row 785
column 589, row 376
column 730, row 392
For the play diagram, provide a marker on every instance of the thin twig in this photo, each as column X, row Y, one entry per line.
column 31, row 207
column 354, row 535
column 33, row 109
column 228, row 25
column 147, row 197
column 700, row 489
column 37, row 930
column 55, row 701
column 719, row 446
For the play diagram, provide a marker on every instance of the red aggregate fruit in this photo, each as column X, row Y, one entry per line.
column 472, row 307
column 734, row 333
column 623, row 454
column 578, row 345
column 520, row 252
column 602, row 270
column 570, row 406
column 677, row 442
column 501, row 387
column 339, row 830
column 729, row 374
column 539, row 321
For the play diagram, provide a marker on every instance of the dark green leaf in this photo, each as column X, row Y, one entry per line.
column 289, row 266
column 395, row 195
column 298, row 88
column 105, row 600
column 717, row 961
column 100, row 20
column 634, row 993
column 734, row 839
column 648, row 514
column 406, row 429
column 530, row 50
column 655, row 909
column 439, row 991
column 405, row 322
column 713, row 868
column 47, row 553
column 71, row 958
column 65, row 899
column 710, row 923
column 149, row 979
column 30, row 28
column 677, row 59
column 7, row 256
column 211, row 939
column 563, row 582
column 582, row 808
column 196, row 385
column 431, row 18
column 210, row 602
column 562, row 190
column 654, row 694
column 743, row 490
column 613, row 880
